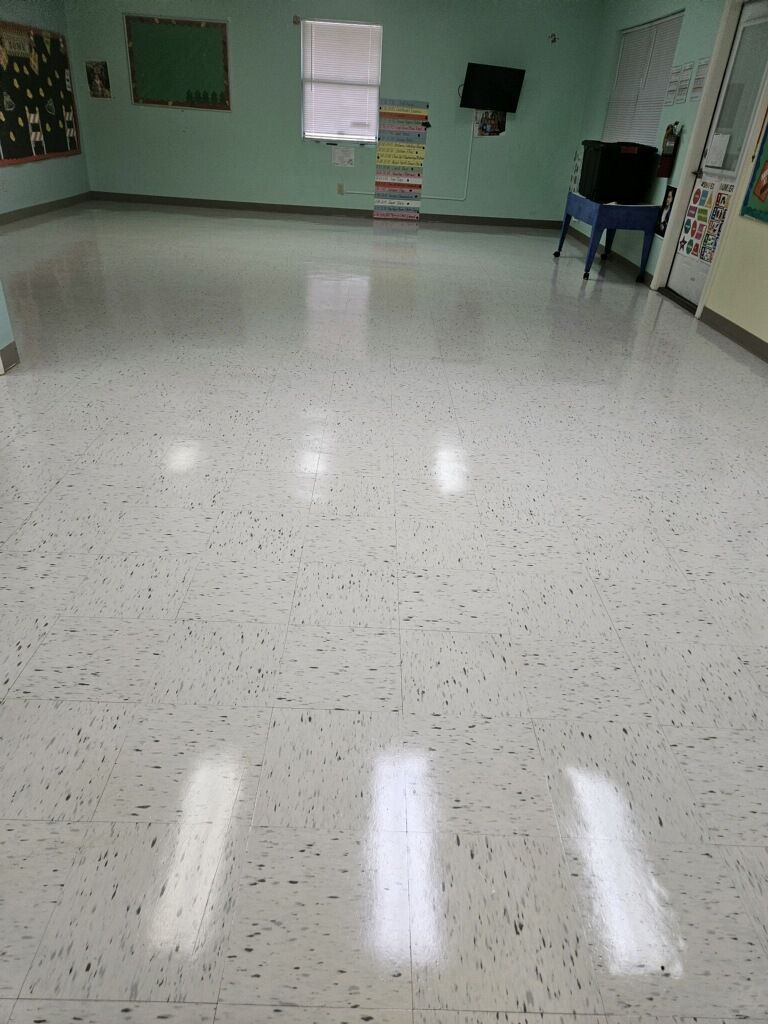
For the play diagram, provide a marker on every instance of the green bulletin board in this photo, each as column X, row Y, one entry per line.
column 756, row 199
column 178, row 63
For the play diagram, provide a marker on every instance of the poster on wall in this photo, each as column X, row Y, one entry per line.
column 489, row 122
column 97, row 74
column 38, row 118
column 683, row 82
column 178, row 63
column 400, row 154
column 756, row 200
column 704, row 219
column 666, row 209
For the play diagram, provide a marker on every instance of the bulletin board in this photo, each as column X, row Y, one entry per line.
column 38, row 118
column 178, row 63
column 756, row 200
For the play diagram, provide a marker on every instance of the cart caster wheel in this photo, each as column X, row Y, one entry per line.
column 586, row 277
column 604, row 256
column 556, row 254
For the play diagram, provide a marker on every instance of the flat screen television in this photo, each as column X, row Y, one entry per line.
column 489, row 87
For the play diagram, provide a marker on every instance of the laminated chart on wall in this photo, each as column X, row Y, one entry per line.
column 704, row 219
column 400, row 159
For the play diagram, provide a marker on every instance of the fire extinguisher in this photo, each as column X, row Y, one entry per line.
column 669, row 149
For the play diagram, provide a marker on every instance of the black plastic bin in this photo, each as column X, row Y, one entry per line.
column 617, row 172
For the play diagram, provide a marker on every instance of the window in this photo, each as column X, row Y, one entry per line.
column 642, row 79
column 340, row 76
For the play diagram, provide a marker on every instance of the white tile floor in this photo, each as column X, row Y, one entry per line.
column 384, row 632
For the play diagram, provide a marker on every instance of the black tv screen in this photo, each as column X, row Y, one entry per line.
column 489, row 87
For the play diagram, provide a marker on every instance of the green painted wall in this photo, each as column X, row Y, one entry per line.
column 44, row 181
column 701, row 19
column 255, row 153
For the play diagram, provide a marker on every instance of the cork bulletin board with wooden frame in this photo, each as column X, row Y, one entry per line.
column 178, row 62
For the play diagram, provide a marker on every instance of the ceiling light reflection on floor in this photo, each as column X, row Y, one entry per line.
column 450, row 471
column 636, row 925
column 399, row 870
column 182, row 457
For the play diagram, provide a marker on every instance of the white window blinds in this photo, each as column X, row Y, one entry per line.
column 642, row 78
column 340, row 74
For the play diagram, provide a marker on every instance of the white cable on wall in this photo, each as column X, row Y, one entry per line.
column 443, row 199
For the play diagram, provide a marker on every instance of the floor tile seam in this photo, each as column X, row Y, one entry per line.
column 55, row 619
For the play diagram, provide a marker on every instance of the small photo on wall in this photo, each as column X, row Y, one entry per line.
column 666, row 209
column 490, row 122
column 97, row 73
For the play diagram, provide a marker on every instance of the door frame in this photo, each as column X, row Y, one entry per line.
column 718, row 63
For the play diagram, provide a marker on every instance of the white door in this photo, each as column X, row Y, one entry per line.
column 712, row 193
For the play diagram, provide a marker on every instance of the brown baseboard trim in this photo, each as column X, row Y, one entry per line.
column 757, row 346
column 35, row 211
column 686, row 304
column 324, row 211
column 9, row 357
column 616, row 258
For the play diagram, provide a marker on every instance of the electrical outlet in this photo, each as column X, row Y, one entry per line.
column 339, row 188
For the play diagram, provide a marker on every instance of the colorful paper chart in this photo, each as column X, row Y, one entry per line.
column 704, row 219
column 399, row 159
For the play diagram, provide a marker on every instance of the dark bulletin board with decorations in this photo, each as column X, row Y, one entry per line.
column 38, row 117
column 178, row 63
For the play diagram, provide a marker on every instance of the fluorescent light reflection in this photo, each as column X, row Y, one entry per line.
column 395, row 869
column 182, row 457
column 200, row 842
column 450, row 471
column 638, row 928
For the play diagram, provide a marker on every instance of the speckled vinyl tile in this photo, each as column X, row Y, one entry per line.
column 462, row 677
column 345, row 594
column 67, row 1011
column 654, row 610
column 272, row 490
column 21, row 635
column 13, row 513
column 366, row 541
column 271, row 538
column 95, row 660
column 6, row 1006
column 749, row 869
column 162, row 938
column 237, row 592
column 56, row 528
column 493, row 924
column 56, row 756
column 699, row 685
column 434, row 498
column 668, row 930
column 132, row 587
column 459, row 600
column 581, row 682
column 333, row 770
column 515, row 549
column 727, row 771
column 232, row 1014
column 156, row 532
column 740, row 608
column 614, row 781
column 497, row 1017
column 183, row 764
column 353, row 494
column 351, row 669
column 341, row 937
column 35, row 859
column 482, row 777
column 227, row 664
column 756, row 660
column 625, row 553
column 446, row 543
column 565, row 606
column 739, row 554
column 36, row 585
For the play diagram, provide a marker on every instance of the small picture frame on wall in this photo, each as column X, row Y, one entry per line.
column 97, row 73
column 666, row 209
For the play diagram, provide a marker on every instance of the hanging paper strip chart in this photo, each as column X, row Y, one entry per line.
column 400, row 159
